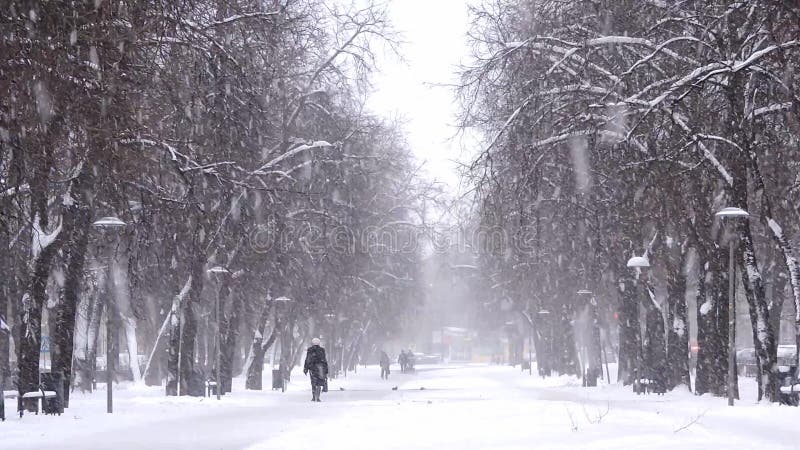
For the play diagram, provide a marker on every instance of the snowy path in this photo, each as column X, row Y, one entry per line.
column 472, row 407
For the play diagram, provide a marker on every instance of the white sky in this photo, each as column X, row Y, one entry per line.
column 434, row 35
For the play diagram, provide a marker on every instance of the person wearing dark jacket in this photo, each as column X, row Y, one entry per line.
column 410, row 361
column 385, row 362
column 317, row 365
column 401, row 359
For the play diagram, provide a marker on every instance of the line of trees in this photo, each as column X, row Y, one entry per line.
column 226, row 134
column 618, row 128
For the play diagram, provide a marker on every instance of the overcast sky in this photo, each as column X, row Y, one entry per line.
column 434, row 32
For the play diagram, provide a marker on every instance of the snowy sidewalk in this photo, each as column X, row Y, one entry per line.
column 469, row 407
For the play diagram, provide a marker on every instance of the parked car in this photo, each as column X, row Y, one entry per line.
column 746, row 362
column 787, row 355
column 422, row 358
column 746, row 359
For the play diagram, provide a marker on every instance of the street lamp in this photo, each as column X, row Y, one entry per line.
column 731, row 213
column 109, row 223
column 638, row 262
column 217, row 271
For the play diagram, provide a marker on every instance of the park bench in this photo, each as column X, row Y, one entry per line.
column 648, row 386
column 789, row 386
column 641, row 386
column 48, row 400
column 211, row 388
column 790, row 394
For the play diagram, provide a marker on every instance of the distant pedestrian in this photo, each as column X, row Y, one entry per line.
column 410, row 361
column 317, row 365
column 385, row 362
column 401, row 359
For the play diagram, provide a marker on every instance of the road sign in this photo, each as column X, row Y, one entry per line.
column 45, row 347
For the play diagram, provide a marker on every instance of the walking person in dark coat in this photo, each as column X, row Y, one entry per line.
column 317, row 365
column 401, row 359
column 385, row 362
column 410, row 361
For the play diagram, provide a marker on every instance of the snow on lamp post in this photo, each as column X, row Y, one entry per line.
column 109, row 223
column 731, row 213
column 217, row 271
column 639, row 262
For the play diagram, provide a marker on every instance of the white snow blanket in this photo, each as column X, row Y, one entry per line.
column 460, row 407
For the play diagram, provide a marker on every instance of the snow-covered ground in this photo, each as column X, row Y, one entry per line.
column 460, row 407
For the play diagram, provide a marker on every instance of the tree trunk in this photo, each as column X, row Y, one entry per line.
column 255, row 366
column 173, row 325
column 125, row 317
column 655, row 356
column 297, row 351
column 543, row 365
column 742, row 159
column 44, row 249
column 677, row 323
column 763, row 337
column 255, row 370
column 567, row 355
column 87, row 366
column 63, row 334
column 704, row 372
column 719, row 336
column 188, row 334
column 287, row 346
column 356, row 346
column 784, row 244
column 230, row 336
column 5, row 326
column 777, row 298
column 77, row 220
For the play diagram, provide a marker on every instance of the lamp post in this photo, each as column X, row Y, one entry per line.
column 638, row 263
column 732, row 213
column 217, row 271
column 109, row 223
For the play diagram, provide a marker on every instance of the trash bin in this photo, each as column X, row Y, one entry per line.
column 277, row 379
column 52, row 381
